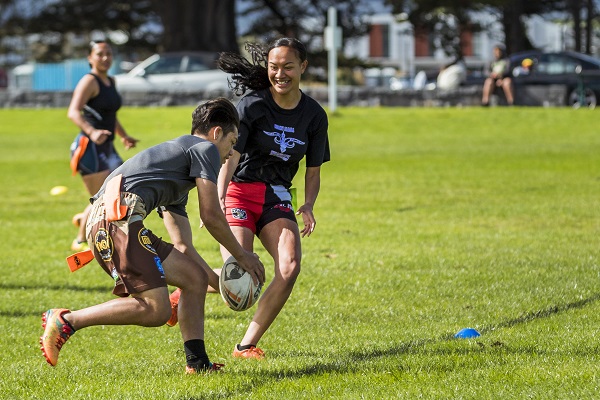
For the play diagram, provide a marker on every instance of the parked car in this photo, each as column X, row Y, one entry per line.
column 566, row 77
column 174, row 72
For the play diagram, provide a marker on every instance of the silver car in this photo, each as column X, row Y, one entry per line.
column 176, row 73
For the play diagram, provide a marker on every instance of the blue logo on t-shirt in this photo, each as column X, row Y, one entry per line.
column 283, row 141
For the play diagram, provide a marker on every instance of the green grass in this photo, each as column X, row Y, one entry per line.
column 429, row 221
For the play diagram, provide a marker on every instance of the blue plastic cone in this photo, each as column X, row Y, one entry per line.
column 467, row 333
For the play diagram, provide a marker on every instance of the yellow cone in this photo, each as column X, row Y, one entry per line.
column 58, row 190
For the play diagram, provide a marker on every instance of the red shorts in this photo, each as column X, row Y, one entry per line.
column 253, row 205
column 127, row 251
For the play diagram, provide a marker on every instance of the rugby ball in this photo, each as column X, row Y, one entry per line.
column 237, row 287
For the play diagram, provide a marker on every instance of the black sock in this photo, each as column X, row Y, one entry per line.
column 68, row 323
column 195, row 354
column 245, row 347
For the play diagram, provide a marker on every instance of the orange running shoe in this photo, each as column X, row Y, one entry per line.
column 213, row 367
column 252, row 352
column 174, row 297
column 56, row 333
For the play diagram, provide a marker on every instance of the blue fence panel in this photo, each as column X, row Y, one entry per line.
column 74, row 70
column 61, row 76
column 48, row 77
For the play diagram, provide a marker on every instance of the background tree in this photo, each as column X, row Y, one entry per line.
column 511, row 13
column 55, row 22
column 569, row 12
column 305, row 20
column 447, row 21
column 580, row 11
column 589, row 24
column 207, row 25
column 157, row 25
column 148, row 25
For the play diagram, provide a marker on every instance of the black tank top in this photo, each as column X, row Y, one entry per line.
column 101, row 111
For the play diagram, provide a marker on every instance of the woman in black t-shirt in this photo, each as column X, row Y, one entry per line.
column 279, row 126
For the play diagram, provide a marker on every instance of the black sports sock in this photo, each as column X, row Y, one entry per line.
column 68, row 323
column 245, row 347
column 195, row 354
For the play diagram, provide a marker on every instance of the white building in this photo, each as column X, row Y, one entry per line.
column 392, row 42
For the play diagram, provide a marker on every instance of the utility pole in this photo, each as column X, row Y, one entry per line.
column 333, row 43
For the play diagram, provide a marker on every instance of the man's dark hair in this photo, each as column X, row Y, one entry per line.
column 218, row 112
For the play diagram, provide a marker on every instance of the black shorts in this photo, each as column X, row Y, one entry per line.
column 95, row 158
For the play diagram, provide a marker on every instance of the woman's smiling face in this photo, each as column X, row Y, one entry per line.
column 285, row 70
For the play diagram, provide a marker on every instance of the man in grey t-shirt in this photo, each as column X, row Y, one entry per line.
column 141, row 263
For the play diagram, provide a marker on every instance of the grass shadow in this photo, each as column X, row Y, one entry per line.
column 19, row 286
column 354, row 361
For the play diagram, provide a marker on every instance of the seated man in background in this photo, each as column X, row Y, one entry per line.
column 498, row 77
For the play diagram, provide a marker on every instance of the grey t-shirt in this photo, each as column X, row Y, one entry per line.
column 164, row 174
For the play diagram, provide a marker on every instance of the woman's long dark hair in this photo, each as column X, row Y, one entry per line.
column 246, row 75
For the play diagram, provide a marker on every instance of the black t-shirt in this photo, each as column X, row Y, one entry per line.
column 272, row 141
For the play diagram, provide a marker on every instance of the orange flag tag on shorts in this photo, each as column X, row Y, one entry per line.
column 79, row 260
column 112, row 200
column 78, row 153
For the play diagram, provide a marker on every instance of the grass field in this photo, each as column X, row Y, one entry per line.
column 429, row 221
